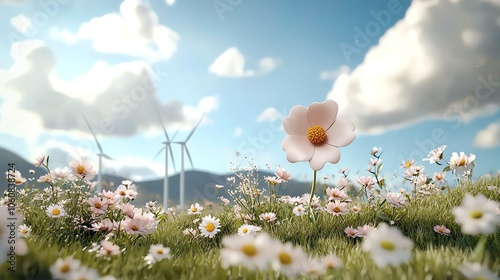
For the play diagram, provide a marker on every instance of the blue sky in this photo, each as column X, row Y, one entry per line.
column 410, row 75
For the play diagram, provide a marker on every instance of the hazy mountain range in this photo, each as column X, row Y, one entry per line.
column 200, row 185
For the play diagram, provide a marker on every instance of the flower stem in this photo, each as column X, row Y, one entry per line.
column 313, row 189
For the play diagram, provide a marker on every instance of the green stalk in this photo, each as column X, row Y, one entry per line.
column 313, row 189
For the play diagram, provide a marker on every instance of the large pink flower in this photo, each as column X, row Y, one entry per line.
column 314, row 134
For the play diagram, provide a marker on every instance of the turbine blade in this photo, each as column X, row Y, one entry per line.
column 97, row 142
column 173, row 137
column 171, row 155
column 189, row 156
column 196, row 126
column 106, row 156
column 161, row 121
column 159, row 152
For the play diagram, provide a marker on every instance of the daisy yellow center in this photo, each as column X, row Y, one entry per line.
column 56, row 212
column 122, row 193
column 476, row 214
column 249, row 250
column 387, row 245
column 97, row 205
column 24, row 231
column 80, row 169
column 18, row 181
column 65, row 268
column 159, row 252
column 316, row 134
column 285, row 258
column 462, row 162
column 194, row 209
column 210, row 227
column 299, row 210
column 134, row 227
column 336, row 209
column 245, row 230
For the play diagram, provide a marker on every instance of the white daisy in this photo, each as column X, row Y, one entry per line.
column 299, row 210
column 190, row 232
column 268, row 217
column 395, row 199
column 84, row 273
column 337, row 208
column 157, row 253
column 250, row 251
column 24, row 231
column 288, row 259
column 248, row 230
column 209, row 226
column 195, row 209
column 63, row 268
column 55, row 211
column 387, row 245
column 476, row 271
column 332, row 262
column 477, row 215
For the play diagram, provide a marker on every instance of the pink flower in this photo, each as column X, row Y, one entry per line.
column 108, row 249
column 442, row 230
column 366, row 182
column 82, row 169
column 39, row 161
column 336, row 194
column 337, row 208
column 283, row 174
column 365, row 230
column 342, row 182
column 351, row 232
column 97, row 205
column 314, row 134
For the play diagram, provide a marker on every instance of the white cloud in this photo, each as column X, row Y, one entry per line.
column 21, row 23
column 170, row 2
column 488, row 137
column 332, row 75
column 63, row 35
column 269, row 114
column 117, row 99
column 134, row 31
column 135, row 168
column 231, row 63
column 439, row 62
column 238, row 131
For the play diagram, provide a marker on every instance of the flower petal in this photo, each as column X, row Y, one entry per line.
column 323, row 114
column 297, row 122
column 323, row 154
column 341, row 133
column 297, row 148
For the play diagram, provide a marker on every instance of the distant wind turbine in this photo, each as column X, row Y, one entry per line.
column 167, row 148
column 185, row 149
column 101, row 154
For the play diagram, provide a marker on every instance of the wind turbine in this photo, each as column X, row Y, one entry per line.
column 185, row 149
column 167, row 148
column 101, row 154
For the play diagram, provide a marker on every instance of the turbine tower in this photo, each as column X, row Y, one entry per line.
column 185, row 149
column 101, row 154
column 167, row 148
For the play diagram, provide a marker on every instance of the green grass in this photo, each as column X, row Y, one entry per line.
column 433, row 256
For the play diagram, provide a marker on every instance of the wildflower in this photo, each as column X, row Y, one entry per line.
column 407, row 164
column 332, row 262
column 477, row 215
column 435, row 155
column 314, row 134
column 282, row 174
column 62, row 174
column 104, row 225
column 355, row 209
column 365, row 230
column 395, row 199
column 273, row 181
column 157, row 253
column 64, row 268
column 24, row 231
column 288, row 259
column 492, row 188
column 128, row 209
column 219, row 186
column 248, row 230
column 342, row 182
column 442, row 230
column 351, row 232
column 387, row 245
column 189, row 231
column 375, row 150
column 374, row 162
column 462, row 163
column 413, row 171
column 47, row 178
column 108, row 249
column 366, row 182
column 314, row 268
column 439, row 177
column 209, row 226
column 337, row 208
column 344, row 170
column 97, row 205
column 336, row 194
column 123, row 192
column 15, row 177
column 476, row 271
column 268, row 217
column 224, row 200
column 84, row 273
column 250, row 251
column 82, row 169
column 31, row 171
column 55, row 211
column 39, row 161
column 195, row 209
column 299, row 210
